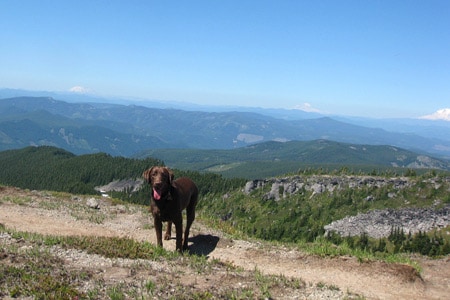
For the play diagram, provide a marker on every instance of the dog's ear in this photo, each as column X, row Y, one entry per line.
column 147, row 176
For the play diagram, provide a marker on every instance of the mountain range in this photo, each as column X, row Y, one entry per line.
column 128, row 129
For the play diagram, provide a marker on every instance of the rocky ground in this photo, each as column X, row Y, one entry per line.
column 322, row 278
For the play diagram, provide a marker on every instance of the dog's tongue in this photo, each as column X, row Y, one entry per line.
column 156, row 194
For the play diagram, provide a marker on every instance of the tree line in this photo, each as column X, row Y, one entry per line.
column 50, row 168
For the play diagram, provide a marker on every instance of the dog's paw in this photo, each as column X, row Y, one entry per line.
column 167, row 237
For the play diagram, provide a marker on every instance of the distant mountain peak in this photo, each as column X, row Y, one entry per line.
column 79, row 90
column 441, row 114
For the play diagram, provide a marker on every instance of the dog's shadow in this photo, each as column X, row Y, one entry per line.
column 203, row 244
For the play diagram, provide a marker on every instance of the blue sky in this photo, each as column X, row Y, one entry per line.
column 360, row 58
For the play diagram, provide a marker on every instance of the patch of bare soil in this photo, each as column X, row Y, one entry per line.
column 40, row 212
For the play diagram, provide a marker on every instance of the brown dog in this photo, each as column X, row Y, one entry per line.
column 169, row 198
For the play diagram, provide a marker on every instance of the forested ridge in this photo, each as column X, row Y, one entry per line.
column 50, row 168
column 56, row 169
column 272, row 158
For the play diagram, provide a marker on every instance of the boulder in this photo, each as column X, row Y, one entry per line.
column 93, row 203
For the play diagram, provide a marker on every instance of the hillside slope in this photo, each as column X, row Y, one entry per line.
column 302, row 275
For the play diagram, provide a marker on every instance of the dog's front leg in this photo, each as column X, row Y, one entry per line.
column 158, row 229
column 168, row 233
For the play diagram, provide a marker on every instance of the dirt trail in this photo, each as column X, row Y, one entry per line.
column 373, row 280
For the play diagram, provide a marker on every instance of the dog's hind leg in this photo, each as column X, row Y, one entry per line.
column 190, row 217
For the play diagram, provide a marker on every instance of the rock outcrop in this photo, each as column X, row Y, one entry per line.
column 121, row 185
column 376, row 223
column 284, row 187
column 379, row 223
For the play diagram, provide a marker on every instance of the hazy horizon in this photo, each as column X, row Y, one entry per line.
column 384, row 59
